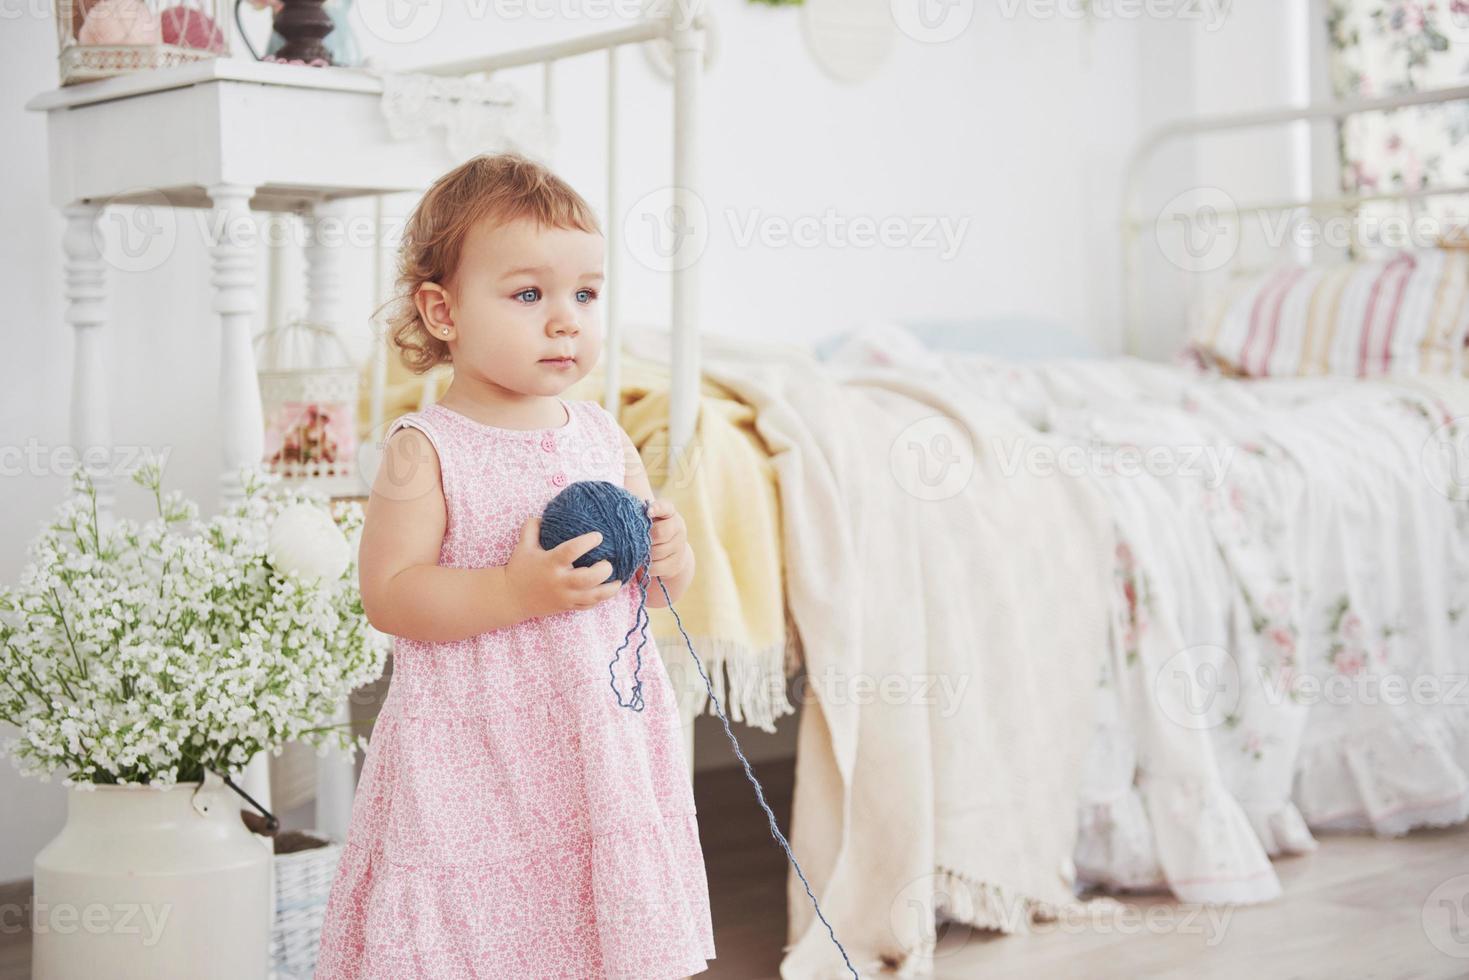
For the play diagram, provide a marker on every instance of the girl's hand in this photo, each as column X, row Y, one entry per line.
column 670, row 540
column 543, row 582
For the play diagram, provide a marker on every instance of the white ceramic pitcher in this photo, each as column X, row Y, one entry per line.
column 146, row 883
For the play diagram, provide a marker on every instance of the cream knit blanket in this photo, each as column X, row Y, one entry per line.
column 953, row 618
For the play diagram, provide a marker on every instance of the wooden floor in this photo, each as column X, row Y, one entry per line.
column 1353, row 909
column 1357, row 907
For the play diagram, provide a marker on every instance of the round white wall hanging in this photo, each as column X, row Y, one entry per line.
column 849, row 39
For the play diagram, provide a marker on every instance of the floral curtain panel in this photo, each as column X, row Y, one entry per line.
column 1386, row 47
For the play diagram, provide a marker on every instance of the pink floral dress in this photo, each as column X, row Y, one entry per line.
column 513, row 821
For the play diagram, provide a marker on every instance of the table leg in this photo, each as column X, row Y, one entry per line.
column 86, row 311
column 241, row 423
column 335, row 785
column 233, row 257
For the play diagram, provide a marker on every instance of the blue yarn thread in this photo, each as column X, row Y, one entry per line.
column 622, row 519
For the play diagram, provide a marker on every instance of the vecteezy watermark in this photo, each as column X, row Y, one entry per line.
column 27, row 9
column 402, row 21
column 915, row 914
column 407, row 468
column 1445, row 459
column 681, row 12
column 1200, row 230
column 562, row 10
column 408, row 21
column 932, row 21
column 937, row 21
column 833, row 230
column 1211, row 13
column 137, row 231
column 1365, row 229
column 667, row 229
column 1445, row 917
column 143, row 919
column 1199, row 687
column 1208, row 464
column 933, row 458
column 1110, row 917
column 1366, row 687
column 1202, row 687
column 327, row 229
column 926, row 902
column 36, row 458
column 668, row 469
column 943, row 692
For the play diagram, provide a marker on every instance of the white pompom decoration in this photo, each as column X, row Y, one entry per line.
column 304, row 540
column 120, row 22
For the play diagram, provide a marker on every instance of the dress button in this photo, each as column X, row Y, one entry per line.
column 548, row 444
column 559, row 480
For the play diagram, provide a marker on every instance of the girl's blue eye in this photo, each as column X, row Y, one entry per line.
column 590, row 295
column 535, row 291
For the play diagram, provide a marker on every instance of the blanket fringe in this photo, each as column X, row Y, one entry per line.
column 750, row 683
column 985, row 905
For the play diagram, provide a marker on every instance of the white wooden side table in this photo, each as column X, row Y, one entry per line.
column 236, row 138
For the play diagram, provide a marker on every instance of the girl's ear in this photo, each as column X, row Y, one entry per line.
column 435, row 309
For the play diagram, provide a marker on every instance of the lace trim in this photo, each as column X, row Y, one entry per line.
column 1389, row 780
column 477, row 114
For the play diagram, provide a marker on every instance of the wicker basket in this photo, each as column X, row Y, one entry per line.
column 303, row 882
column 158, row 34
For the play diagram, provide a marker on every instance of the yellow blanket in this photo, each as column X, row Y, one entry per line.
column 734, row 610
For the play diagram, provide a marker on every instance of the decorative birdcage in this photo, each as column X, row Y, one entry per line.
column 101, row 38
column 308, row 391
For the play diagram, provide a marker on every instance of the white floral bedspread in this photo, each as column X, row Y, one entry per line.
column 1289, row 648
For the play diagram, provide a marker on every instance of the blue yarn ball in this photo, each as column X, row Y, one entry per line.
column 599, row 505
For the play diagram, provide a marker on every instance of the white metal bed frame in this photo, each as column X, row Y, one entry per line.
column 1135, row 221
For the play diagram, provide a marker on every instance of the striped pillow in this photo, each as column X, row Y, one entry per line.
column 1400, row 315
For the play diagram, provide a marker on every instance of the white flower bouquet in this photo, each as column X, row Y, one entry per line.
column 150, row 653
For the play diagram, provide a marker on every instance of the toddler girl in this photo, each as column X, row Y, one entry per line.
column 512, row 820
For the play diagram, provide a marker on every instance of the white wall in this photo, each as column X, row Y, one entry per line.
column 1264, row 55
column 1020, row 125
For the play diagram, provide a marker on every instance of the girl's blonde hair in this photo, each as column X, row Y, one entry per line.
column 502, row 187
